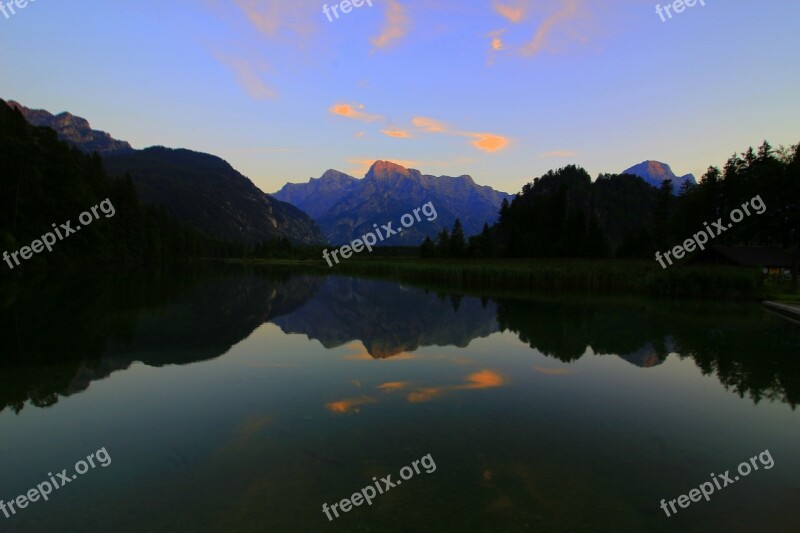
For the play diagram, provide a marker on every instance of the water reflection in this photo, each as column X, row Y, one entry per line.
column 62, row 338
column 388, row 318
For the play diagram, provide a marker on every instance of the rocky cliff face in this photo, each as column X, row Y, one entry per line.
column 76, row 131
column 346, row 208
column 656, row 172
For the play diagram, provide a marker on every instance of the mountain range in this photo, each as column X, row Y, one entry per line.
column 655, row 173
column 206, row 193
column 346, row 208
column 201, row 190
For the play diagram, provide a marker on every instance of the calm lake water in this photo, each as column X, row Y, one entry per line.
column 244, row 400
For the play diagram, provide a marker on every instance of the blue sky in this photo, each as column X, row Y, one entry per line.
column 500, row 90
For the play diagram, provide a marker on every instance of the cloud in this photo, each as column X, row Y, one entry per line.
column 393, row 386
column 359, row 135
column 497, row 42
column 349, row 405
column 354, row 112
column 397, row 133
column 558, row 153
column 513, row 12
column 271, row 16
column 569, row 9
column 487, row 142
column 248, row 76
column 485, row 379
column 397, row 25
column 428, row 124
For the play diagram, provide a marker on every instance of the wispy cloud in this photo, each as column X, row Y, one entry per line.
column 485, row 379
column 487, row 142
column 349, row 405
column 393, row 386
column 397, row 133
column 270, row 17
column 397, row 25
column 428, row 124
column 554, row 23
column 514, row 12
column 568, row 10
column 249, row 76
column 558, row 153
column 355, row 111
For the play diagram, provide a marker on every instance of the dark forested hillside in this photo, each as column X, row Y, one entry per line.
column 43, row 181
column 208, row 194
column 564, row 214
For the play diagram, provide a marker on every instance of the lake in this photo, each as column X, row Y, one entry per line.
column 243, row 400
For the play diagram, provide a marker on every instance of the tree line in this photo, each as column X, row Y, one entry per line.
column 565, row 214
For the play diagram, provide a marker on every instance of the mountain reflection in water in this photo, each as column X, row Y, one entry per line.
column 61, row 339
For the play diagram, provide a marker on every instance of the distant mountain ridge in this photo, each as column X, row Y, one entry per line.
column 345, row 207
column 656, row 172
column 76, row 131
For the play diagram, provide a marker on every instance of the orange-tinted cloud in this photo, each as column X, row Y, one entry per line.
column 485, row 379
column 514, row 12
column 271, row 16
column 397, row 133
column 398, row 24
column 393, row 386
column 488, row 142
column 569, row 9
column 428, row 124
column 348, row 405
column 497, row 42
column 353, row 111
column 427, row 394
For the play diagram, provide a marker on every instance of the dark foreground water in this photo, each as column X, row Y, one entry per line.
column 243, row 402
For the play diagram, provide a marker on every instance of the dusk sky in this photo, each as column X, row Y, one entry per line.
column 502, row 90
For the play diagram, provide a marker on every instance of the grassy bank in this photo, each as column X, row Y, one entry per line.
column 594, row 276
